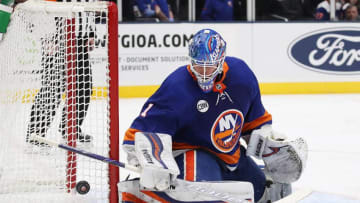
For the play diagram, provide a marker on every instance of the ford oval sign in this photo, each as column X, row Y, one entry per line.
column 334, row 51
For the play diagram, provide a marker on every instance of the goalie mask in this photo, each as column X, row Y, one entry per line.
column 207, row 53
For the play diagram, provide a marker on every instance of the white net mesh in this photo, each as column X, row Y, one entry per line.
column 50, row 86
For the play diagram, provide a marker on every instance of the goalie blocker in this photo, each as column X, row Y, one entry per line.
column 154, row 154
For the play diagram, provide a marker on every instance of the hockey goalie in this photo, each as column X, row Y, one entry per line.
column 188, row 133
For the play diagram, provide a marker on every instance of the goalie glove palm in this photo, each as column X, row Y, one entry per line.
column 284, row 160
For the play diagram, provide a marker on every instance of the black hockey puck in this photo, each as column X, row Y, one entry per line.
column 83, row 187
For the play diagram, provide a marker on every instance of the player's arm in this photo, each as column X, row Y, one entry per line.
column 160, row 14
column 284, row 158
column 148, row 142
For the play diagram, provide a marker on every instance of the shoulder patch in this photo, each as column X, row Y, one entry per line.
column 202, row 106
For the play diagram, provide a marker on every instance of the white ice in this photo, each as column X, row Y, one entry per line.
column 329, row 123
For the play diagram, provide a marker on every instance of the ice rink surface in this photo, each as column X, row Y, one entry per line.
column 331, row 125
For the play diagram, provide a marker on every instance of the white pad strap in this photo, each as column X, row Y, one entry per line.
column 284, row 160
column 154, row 153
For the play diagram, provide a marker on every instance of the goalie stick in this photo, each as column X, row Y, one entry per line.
column 235, row 191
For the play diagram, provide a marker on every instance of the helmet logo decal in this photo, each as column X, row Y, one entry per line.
column 226, row 130
column 202, row 106
column 216, row 55
column 210, row 41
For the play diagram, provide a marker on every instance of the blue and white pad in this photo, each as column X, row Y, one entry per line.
column 187, row 191
column 154, row 153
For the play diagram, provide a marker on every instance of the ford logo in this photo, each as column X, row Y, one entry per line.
column 333, row 51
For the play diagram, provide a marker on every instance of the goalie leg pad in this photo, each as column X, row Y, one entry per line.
column 194, row 165
column 199, row 165
column 187, row 191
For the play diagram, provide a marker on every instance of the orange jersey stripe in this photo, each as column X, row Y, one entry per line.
column 190, row 72
column 227, row 158
column 225, row 70
column 128, row 197
column 178, row 146
column 130, row 134
column 190, row 165
column 155, row 196
column 257, row 122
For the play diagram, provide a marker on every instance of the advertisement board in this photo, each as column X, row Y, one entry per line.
column 317, row 57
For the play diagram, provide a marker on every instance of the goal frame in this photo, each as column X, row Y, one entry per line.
column 69, row 8
column 113, row 95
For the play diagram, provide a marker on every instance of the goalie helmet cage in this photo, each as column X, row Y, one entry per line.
column 59, row 80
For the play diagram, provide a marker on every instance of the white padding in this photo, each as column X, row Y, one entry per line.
column 154, row 152
column 284, row 160
column 187, row 191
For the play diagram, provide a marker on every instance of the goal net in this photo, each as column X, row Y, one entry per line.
column 58, row 80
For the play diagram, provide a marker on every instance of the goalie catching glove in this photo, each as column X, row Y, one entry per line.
column 284, row 159
column 153, row 152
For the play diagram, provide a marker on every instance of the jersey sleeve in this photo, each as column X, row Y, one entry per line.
column 256, row 116
column 157, row 115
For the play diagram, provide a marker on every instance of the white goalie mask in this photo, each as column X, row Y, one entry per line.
column 207, row 52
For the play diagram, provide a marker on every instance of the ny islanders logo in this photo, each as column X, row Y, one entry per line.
column 226, row 130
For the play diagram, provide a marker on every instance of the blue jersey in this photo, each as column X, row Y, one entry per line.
column 217, row 10
column 164, row 7
column 212, row 121
column 151, row 4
